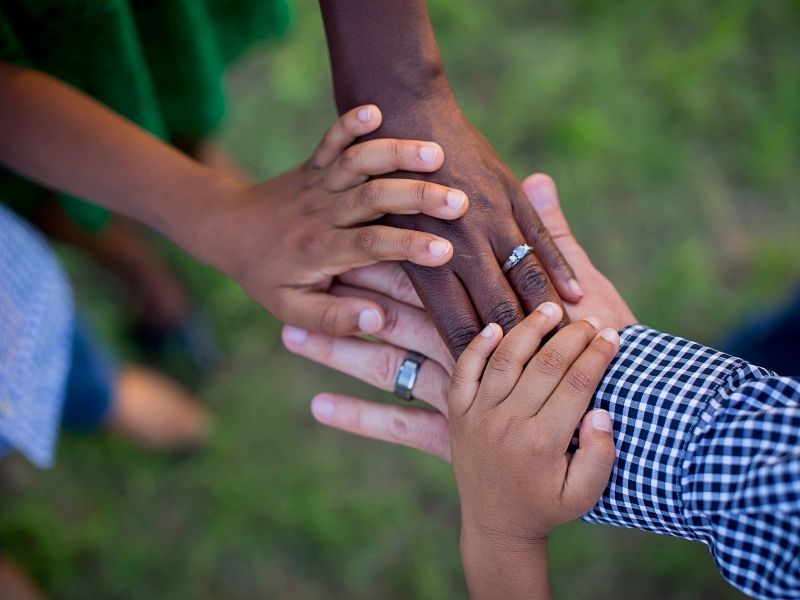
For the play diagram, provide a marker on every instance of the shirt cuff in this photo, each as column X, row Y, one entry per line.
column 655, row 390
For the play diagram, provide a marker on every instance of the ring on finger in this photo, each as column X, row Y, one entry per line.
column 407, row 375
column 516, row 257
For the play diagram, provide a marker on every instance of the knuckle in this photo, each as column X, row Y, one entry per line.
column 505, row 313
column 350, row 159
column 532, row 280
column 578, row 380
column 366, row 240
column 426, row 192
column 385, row 367
column 397, row 152
column 551, row 360
column 408, row 241
column 460, row 335
column 503, row 361
column 331, row 319
column 371, row 193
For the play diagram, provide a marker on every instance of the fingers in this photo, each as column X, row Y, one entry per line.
column 541, row 191
column 376, row 157
column 528, row 278
column 494, row 300
column 374, row 363
column 507, row 362
column 346, row 129
column 444, row 295
column 551, row 365
column 333, row 316
column 413, row 427
column 378, row 197
column 377, row 243
column 386, row 278
column 591, row 466
column 405, row 326
column 469, row 370
column 543, row 196
column 568, row 402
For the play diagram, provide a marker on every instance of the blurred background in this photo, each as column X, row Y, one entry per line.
column 672, row 131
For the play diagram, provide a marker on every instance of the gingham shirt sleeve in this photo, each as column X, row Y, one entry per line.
column 708, row 449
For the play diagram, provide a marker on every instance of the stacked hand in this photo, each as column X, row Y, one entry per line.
column 409, row 327
column 286, row 239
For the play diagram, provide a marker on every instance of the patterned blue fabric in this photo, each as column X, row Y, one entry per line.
column 35, row 332
column 708, row 449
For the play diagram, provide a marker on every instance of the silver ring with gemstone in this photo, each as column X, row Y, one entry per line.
column 407, row 375
column 517, row 255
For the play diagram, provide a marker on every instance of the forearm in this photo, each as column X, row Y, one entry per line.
column 707, row 448
column 66, row 141
column 384, row 52
column 502, row 569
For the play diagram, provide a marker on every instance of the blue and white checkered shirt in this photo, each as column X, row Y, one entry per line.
column 36, row 318
column 708, row 449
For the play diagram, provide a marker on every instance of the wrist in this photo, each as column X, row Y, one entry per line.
column 195, row 213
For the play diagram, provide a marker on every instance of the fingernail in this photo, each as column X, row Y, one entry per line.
column 322, row 407
column 427, row 154
column 575, row 287
column 364, row 114
column 295, row 336
column 594, row 322
column 609, row 335
column 455, row 200
column 601, row 420
column 369, row 321
column 488, row 331
column 544, row 197
column 438, row 248
column 550, row 309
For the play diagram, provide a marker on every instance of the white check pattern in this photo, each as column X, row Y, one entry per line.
column 35, row 332
column 708, row 449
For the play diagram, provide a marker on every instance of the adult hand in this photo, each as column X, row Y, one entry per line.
column 408, row 327
column 471, row 290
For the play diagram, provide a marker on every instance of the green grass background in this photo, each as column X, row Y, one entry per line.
column 672, row 131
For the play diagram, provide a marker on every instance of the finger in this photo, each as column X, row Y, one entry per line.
column 376, row 157
column 346, row 129
column 546, row 370
column 374, row 363
column 372, row 200
column 404, row 326
column 496, row 302
column 469, row 370
column 376, row 243
column 413, row 427
column 591, row 466
column 541, row 191
column 567, row 404
column 507, row 362
column 386, row 278
column 334, row 316
column 443, row 293
column 527, row 278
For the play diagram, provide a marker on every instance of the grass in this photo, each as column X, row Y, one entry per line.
column 671, row 129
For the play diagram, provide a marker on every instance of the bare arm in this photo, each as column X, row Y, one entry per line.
column 384, row 51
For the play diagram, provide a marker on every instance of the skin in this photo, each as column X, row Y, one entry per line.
column 384, row 51
column 409, row 327
column 283, row 240
column 514, row 406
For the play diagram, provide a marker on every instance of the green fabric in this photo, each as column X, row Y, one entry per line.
column 159, row 63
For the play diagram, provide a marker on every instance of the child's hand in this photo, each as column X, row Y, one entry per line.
column 510, row 428
column 285, row 240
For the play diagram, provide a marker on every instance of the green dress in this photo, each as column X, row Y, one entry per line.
column 160, row 63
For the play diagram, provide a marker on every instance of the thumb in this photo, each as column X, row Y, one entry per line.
column 590, row 468
column 543, row 195
column 334, row 316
